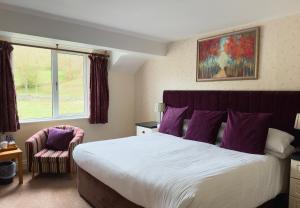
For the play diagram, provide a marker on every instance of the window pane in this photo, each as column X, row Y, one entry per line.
column 71, row 82
column 32, row 73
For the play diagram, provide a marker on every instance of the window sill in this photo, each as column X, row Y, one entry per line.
column 28, row 121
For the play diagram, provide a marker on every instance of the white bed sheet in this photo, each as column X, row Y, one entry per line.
column 164, row 171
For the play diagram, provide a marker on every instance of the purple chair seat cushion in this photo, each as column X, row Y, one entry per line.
column 246, row 132
column 59, row 139
column 204, row 126
column 172, row 121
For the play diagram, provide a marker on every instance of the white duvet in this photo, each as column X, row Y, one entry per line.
column 163, row 171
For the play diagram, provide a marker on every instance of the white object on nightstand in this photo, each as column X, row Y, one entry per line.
column 297, row 121
column 146, row 128
column 159, row 108
column 294, row 195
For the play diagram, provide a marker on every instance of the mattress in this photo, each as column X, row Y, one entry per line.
column 164, row 171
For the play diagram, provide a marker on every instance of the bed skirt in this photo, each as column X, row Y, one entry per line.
column 99, row 195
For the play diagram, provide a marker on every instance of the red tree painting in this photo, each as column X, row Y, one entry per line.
column 231, row 56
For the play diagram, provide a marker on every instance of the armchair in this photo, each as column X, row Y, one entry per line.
column 42, row 160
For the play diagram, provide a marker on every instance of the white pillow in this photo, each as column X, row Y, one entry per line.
column 278, row 141
column 221, row 132
column 287, row 152
column 185, row 126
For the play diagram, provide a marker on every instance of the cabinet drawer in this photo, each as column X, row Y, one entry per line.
column 295, row 169
column 295, row 187
column 143, row 131
column 294, row 202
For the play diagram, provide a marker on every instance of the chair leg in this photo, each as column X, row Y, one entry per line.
column 32, row 170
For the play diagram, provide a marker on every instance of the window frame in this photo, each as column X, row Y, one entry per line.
column 55, row 91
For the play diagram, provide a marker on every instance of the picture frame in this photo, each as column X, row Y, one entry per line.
column 229, row 56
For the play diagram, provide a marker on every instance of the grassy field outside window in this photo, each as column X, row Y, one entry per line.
column 33, row 81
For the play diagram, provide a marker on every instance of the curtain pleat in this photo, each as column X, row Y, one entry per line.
column 9, row 120
column 99, row 92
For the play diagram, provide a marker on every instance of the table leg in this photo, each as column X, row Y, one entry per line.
column 20, row 168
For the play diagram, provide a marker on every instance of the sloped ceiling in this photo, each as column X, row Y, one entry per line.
column 164, row 20
column 128, row 62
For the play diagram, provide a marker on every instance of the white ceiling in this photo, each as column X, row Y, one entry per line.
column 161, row 20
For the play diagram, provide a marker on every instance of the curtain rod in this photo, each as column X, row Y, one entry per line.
column 58, row 49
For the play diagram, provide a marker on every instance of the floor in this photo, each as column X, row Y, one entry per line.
column 43, row 191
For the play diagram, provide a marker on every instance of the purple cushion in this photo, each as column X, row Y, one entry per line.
column 172, row 121
column 59, row 139
column 204, row 126
column 246, row 132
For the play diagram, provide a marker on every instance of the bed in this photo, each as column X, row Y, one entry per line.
column 165, row 171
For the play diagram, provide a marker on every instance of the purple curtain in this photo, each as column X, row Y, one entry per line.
column 9, row 120
column 99, row 93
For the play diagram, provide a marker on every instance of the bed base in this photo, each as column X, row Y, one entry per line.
column 99, row 195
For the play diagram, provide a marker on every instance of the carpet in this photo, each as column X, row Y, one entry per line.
column 46, row 191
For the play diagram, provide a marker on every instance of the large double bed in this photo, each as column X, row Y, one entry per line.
column 164, row 171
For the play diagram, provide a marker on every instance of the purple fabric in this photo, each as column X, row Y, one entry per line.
column 284, row 105
column 246, row 132
column 204, row 126
column 9, row 119
column 59, row 139
column 172, row 121
column 99, row 92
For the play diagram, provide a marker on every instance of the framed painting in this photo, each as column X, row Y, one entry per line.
column 231, row 56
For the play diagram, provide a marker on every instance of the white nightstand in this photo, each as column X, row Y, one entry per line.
column 294, row 195
column 146, row 128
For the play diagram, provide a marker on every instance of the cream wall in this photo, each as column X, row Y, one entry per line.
column 279, row 67
column 121, row 114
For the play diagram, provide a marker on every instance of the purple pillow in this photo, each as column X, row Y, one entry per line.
column 59, row 139
column 204, row 126
column 246, row 132
column 172, row 121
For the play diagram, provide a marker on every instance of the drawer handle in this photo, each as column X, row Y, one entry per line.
column 143, row 132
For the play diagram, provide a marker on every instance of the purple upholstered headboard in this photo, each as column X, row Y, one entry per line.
column 283, row 104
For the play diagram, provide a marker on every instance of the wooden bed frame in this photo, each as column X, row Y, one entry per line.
column 284, row 105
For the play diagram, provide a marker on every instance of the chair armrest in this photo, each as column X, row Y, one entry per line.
column 35, row 144
column 74, row 142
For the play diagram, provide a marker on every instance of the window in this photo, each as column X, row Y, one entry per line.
column 50, row 84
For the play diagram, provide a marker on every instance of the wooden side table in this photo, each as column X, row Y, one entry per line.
column 17, row 155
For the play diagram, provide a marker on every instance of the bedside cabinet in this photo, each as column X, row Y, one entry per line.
column 146, row 128
column 294, row 195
